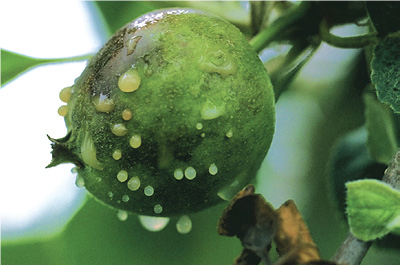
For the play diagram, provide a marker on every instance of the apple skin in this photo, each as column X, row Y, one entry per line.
column 175, row 112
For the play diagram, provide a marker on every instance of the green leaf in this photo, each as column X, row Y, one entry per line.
column 13, row 64
column 382, row 142
column 373, row 209
column 385, row 71
column 384, row 16
column 117, row 13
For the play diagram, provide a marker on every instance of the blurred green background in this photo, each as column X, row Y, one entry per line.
column 321, row 105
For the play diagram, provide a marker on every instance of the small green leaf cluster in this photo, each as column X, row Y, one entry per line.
column 373, row 209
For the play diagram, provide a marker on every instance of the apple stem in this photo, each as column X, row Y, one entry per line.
column 269, row 34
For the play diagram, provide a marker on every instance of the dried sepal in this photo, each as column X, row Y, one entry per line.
column 253, row 220
column 293, row 234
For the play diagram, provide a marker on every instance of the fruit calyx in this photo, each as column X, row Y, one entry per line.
column 62, row 153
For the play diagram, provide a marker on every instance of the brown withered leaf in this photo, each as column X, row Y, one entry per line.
column 252, row 220
column 293, row 240
column 256, row 223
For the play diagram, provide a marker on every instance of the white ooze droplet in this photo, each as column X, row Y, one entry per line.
column 79, row 182
column 218, row 62
column 129, row 81
column 125, row 198
column 178, row 174
column 190, row 173
column 88, row 152
column 158, row 208
column 122, row 215
column 63, row 110
column 134, row 184
column 131, row 44
column 135, row 141
column 153, row 224
column 119, row 129
column 117, row 154
column 229, row 134
column 122, row 176
column 126, row 114
column 184, row 224
column 213, row 169
column 65, row 94
column 149, row 190
column 210, row 111
column 103, row 103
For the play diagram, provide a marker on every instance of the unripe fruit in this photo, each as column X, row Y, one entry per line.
column 173, row 113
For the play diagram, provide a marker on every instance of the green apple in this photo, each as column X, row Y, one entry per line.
column 175, row 112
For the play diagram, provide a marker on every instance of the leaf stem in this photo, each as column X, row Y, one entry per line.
column 353, row 42
column 352, row 251
column 266, row 36
column 71, row 59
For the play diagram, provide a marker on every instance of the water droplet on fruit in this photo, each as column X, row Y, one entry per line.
column 218, row 62
column 129, row 81
column 122, row 215
column 125, row 198
column 149, row 190
column 153, row 224
column 122, row 176
column 210, row 111
column 79, row 182
column 199, row 126
column 230, row 190
column 117, row 154
column 134, row 183
column 213, row 169
column 229, row 134
column 65, row 94
column 131, row 44
column 178, row 174
column 63, row 110
column 190, row 173
column 119, row 129
column 103, row 103
column 88, row 152
column 184, row 224
column 158, row 208
column 135, row 141
column 126, row 115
